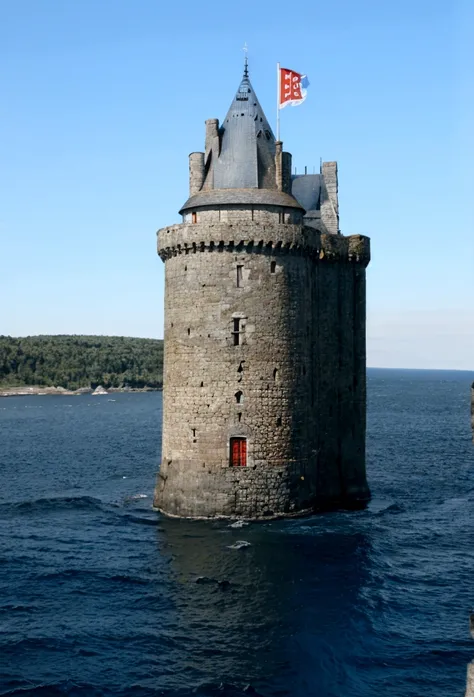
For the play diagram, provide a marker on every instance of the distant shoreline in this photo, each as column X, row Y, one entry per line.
column 28, row 390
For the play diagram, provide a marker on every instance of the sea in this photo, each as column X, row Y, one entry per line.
column 100, row 595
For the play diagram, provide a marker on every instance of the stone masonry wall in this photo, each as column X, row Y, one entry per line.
column 196, row 172
column 288, row 387
column 329, row 198
column 242, row 213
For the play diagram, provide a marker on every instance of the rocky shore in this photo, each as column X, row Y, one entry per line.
column 26, row 390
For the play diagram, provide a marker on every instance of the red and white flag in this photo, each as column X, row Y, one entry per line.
column 292, row 88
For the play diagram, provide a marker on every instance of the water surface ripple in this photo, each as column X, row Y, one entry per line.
column 101, row 596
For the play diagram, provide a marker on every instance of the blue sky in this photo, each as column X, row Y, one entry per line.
column 101, row 102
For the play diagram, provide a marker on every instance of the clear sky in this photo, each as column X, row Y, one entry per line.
column 101, row 102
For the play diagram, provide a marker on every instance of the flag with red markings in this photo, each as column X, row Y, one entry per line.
column 292, row 88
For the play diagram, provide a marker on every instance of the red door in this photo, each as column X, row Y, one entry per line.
column 238, row 452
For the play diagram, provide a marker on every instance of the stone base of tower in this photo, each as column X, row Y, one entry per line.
column 262, row 493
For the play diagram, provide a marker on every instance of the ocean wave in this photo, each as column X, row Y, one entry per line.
column 59, row 689
column 221, row 690
column 238, row 524
column 240, row 544
column 72, row 689
column 83, row 574
column 393, row 508
column 13, row 648
column 18, row 607
column 138, row 519
column 53, row 504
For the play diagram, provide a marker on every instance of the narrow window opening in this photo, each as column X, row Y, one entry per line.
column 275, row 374
column 238, row 396
column 194, row 217
column 273, row 266
column 202, row 384
column 194, row 432
column 185, row 268
column 172, row 325
column 279, row 421
column 240, row 269
column 189, row 331
column 236, row 332
column 239, row 416
column 238, row 452
column 240, row 369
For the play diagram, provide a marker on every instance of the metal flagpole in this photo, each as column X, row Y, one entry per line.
column 278, row 100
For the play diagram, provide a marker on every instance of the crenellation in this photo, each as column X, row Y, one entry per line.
column 283, row 238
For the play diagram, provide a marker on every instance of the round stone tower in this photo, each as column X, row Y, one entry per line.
column 264, row 361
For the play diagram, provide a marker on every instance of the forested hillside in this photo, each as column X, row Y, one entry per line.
column 81, row 361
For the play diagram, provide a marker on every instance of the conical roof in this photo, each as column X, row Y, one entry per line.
column 240, row 158
column 247, row 153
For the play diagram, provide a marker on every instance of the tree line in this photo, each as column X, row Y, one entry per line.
column 81, row 361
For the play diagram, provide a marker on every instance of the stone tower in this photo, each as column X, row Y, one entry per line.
column 264, row 361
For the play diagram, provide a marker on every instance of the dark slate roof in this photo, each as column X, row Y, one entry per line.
column 245, row 196
column 247, row 142
column 306, row 188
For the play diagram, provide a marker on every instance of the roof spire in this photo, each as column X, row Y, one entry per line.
column 246, row 61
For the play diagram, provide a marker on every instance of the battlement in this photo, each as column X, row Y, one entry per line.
column 189, row 238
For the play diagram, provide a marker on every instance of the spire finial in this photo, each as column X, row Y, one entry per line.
column 246, row 60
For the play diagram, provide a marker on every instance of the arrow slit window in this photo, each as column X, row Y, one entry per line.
column 239, row 275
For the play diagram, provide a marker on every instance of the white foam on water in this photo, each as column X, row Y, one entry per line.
column 238, row 524
column 240, row 544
